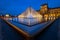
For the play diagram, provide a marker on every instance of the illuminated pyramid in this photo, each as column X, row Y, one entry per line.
column 30, row 17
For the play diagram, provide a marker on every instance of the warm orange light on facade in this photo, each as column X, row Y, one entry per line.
column 46, row 17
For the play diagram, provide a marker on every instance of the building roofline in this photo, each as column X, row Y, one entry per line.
column 54, row 8
column 44, row 4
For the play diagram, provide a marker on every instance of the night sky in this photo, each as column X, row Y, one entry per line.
column 15, row 7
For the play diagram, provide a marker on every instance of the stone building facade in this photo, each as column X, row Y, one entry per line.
column 49, row 13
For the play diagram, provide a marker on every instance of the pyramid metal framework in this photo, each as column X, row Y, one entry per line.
column 30, row 17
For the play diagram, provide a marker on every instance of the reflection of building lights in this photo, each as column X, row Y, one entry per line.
column 7, row 17
column 10, row 18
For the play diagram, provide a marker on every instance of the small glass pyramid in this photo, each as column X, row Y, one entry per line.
column 30, row 17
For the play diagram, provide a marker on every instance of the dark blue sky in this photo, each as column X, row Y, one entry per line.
column 15, row 7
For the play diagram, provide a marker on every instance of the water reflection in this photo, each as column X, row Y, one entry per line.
column 27, row 21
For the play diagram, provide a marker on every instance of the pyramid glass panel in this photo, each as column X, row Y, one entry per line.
column 30, row 17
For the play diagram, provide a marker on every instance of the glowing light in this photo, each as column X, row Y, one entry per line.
column 46, row 17
column 30, row 17
column 7, row 15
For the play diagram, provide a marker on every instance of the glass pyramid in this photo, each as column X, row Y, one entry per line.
column 30, row 17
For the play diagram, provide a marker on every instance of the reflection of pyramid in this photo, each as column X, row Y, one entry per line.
column 30, row 17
